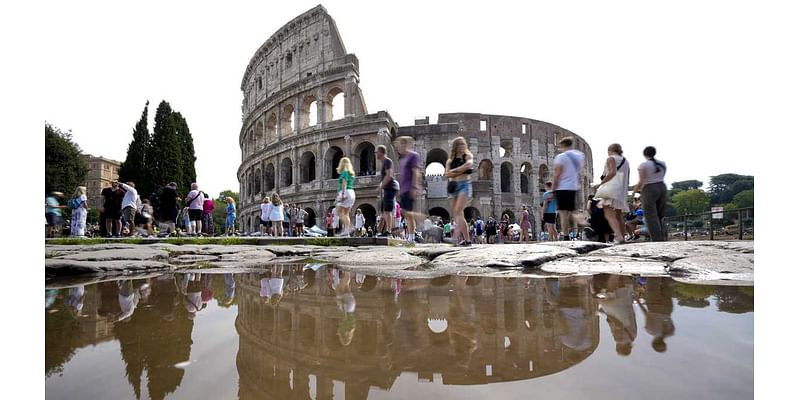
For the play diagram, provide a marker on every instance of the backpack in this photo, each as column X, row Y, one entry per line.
column 74, row 203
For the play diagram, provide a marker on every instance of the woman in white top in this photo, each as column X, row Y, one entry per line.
column 654, row 194
column 359, row 222
column 276, row 215
column 266, row 209
column 78, row 223
column 616, row 174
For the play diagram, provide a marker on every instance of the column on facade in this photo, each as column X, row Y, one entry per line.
column 297, row 102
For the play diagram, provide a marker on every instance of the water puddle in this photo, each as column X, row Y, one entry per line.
column 319, row 332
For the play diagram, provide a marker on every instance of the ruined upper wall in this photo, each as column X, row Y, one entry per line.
column 306, row 44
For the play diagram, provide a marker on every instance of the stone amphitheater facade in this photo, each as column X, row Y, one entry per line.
column 291, row 143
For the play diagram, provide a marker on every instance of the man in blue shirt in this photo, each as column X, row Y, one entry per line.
column 549, row 211
column 53, row 213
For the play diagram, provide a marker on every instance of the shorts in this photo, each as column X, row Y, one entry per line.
column 195, row 215
column 128, row 214
column 112, row 213
column 264, row 223
column 464, row 186
column 349, row 199
column 54, row 220
column 406, row 201
column 566, row 199
column 387, row 202
column 549, row 218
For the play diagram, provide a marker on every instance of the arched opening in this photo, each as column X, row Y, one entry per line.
column 506, row 148
column 258, row 179
column 308, row 167
column 511, row 217
column 311, row 217
column 471, row 213
column 287, row 120
column 272, row 128
column 306, row 113
column 435, row 161
column 524, row 177
column 270, row 177
column 369, row 214
column 258, row 137
column 544, row 176
column 286, row 172
column 485, row 170
column 313, row 113
column 335, row 99
column 506, row 170
column 250, row 142
column 332, row 157
column 440, row 212
column 364, row 159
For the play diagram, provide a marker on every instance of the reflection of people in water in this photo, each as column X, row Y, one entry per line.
column 230, row 290
column 346, row 302
column 130, row 293
column 192, row 291
column 74, row 299
column 617, row 303
column 272, row 286
column 462, row 325
column 571, row 295
column 658, row 311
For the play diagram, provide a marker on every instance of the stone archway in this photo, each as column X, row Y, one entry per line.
column 311, row 217
column 525, row 181
column 286, row 172
column 440, row 212
column 308, row 167
column 269, row 177
column 332, row 157
column 364, row 159
column 544, row 177
column 511, row 217
column 485, row 170
column 506, row 172
column 471, row 213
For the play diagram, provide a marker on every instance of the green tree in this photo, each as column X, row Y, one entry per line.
column 724, row 186
column 166, row 163
column 186, row 144
column 135, row 167
column 687, row 185
column 745, row 198
column 64, row 166
column 691, row 202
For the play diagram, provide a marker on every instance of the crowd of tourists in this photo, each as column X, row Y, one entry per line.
column 610, row 214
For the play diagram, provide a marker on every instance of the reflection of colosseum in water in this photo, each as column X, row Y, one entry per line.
column 469, row 332
column 292, row 136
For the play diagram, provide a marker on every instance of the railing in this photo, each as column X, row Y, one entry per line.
column 735, row 223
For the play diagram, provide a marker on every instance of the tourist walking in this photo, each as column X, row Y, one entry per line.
column 129, row 206
column 613, row 191
column 491, row 231
column 388, row 188
column 524, row 224
column 299, row 220
column 79, row 210
column 53, row 214
column 208, row 211
column 276, row 215
column 566, row 178
column 459, row 188
column 168, row 207
column 111, row 210
column 549, row 211
column 195, row 201
column 654, row 194
column 266, row 210
column 346, row 197
column 410, row 176
column 230, row 216
column 479, row 230
column 359, row 223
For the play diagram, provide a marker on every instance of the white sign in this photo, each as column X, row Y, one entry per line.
column 486, row 201
column 717, row 212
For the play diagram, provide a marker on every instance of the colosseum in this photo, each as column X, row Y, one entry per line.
column 303, row 111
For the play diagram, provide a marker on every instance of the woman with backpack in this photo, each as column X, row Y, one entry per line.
column 79, row 210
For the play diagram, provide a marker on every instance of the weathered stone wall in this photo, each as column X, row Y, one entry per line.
column 299, row 71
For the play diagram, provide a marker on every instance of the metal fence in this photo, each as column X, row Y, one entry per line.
column 727, row 224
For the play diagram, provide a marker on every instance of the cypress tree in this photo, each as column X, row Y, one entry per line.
column 135, row 167
column 166, row 162
column 187, row 149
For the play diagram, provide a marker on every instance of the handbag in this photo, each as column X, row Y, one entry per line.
column 451, row 187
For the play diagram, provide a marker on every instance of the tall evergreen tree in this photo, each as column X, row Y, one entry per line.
column 187, row 149
column 135, row 167
column 64, row 166
column 166, row 163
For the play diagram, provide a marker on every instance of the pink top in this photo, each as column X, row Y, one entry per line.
column 397, row 210
column 208, row 206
